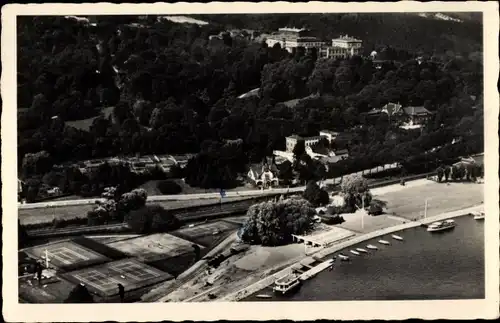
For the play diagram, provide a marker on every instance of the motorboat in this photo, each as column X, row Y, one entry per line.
column 441, row 226
column 479, row 215
column 397, row 237
column 362, row 250
column 343, row 257
column 372, row 247
column 286, row 283
column 354, row 252
column 384, row 242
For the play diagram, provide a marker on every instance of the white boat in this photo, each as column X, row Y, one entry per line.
column 354, row 252
column 370, row 246
column 286, row 283
column 362, row 250
column 343, row 257
column 479, row 215
column 384, row 242
column 441, row 226
column 397, row 237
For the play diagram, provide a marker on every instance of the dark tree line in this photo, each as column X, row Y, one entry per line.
column 171, row 90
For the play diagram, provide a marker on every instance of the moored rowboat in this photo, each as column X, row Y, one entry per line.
column 397, row 237
column 384, row 242
column 370, row 246
column 354, row 252
column 362, row 250
column 343, row 257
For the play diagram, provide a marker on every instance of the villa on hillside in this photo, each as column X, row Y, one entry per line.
column 413, row 116
column 392, row 109
column 292, row 140
column 264, row 174
column 329, row 135
column 314, row 148
column 417, row 115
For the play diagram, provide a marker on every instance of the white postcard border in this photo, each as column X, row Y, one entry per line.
column 460, row 309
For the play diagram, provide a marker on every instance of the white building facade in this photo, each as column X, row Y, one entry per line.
column 342, row 47
column 293, row 38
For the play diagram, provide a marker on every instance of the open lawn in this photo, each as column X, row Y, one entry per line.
column 150, row 187
column 46, row 215
column 186, row 189
column 355, row 222
column 409, row 202
column 154, row 246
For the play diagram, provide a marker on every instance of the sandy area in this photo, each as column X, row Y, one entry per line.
column 237, row 272
column 264, row 257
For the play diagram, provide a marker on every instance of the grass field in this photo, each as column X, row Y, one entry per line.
column 368, row 223
column 85, row 124
column 407, row 203
column 46, row 215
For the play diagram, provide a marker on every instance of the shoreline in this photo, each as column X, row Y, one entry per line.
column 309, row 259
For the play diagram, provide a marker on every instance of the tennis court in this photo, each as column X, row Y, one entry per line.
column 154, row 246
column 66, row 254
column 104, row 279
column 207, row 234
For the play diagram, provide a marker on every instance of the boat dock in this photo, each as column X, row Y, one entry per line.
column 315, row 270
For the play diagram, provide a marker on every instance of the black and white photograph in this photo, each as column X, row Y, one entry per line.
column 260, row 158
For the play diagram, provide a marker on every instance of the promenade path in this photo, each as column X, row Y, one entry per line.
column 180, row 197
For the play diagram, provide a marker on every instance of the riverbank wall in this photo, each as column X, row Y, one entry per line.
column 243, row 293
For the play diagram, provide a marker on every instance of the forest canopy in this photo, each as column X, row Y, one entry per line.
column 139, row 85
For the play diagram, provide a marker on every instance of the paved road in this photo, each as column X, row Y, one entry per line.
column 157, row 198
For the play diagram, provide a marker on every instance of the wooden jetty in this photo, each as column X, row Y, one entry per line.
column 315, row 270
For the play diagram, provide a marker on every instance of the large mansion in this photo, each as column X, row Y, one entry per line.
column 293, row 38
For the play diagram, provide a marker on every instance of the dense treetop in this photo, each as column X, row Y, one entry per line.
column 171, row 90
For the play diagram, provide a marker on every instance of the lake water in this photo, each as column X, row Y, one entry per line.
column 446, row 265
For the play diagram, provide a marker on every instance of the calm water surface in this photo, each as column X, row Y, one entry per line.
column 446, row 265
